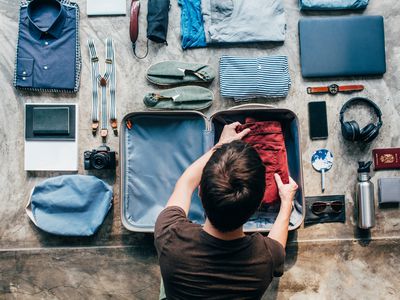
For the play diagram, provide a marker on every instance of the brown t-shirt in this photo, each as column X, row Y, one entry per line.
column 196, row 265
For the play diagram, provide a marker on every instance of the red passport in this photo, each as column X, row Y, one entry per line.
column 385, row 159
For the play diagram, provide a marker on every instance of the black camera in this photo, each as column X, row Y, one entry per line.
column 99, row 159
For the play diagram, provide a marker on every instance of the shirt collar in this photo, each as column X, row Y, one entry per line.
column 55, row 28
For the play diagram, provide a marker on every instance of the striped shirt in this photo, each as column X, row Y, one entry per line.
column 244, row 78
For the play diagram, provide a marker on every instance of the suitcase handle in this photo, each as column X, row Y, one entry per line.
column 252, row 105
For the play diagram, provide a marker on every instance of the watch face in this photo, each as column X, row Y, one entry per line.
column 333, row 89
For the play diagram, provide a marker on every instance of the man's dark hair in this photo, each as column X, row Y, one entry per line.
column 232, row 185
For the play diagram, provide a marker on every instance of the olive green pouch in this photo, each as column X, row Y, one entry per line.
column 168, row 73
column 180, row 98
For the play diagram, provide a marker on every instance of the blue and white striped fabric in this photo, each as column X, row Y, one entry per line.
column 245, row 78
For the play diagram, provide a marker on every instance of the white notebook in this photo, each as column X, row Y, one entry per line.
column 106, row 7
column 52, row 155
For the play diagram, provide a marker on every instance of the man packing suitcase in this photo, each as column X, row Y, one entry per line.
column 219, row 261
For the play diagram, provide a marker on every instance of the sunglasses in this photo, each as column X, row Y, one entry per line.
column 320, row 207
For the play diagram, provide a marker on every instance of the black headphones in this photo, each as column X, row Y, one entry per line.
column 351, row 130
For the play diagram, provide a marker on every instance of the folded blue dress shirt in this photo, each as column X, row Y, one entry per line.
column 244, row 78
column 48, row 50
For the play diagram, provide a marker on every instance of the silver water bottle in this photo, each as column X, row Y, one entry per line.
column 365, row 197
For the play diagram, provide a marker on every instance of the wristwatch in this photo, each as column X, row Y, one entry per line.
column 333, row 89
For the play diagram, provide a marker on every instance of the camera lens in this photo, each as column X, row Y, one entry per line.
column 100, row 160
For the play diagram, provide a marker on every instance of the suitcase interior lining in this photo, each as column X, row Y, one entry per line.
column 158, row 149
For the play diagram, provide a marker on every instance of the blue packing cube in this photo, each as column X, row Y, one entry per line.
column 70, row 205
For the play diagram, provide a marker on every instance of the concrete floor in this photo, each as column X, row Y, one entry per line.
column 326, row 261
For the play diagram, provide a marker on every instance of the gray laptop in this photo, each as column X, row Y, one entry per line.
column 342, row 46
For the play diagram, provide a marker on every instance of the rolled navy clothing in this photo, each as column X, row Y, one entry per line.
column 332, row 4
column 244, row 78
column 192, row 29
column 268, row 140
column 157, row 20
column 242, row 21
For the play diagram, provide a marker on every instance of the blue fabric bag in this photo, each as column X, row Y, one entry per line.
column 70, row 205
column 332, row 4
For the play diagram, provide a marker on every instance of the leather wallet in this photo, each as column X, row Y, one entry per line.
column 389, row 190
column 386, row 159
column 50, row 121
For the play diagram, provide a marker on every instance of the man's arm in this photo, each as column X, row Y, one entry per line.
column 279, row 231
column 190, row 179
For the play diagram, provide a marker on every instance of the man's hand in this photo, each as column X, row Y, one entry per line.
column 229, row 134
column 279, row 230
column 286, row 191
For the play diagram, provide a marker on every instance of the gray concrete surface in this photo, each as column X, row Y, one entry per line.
column 326, row 261
column 336, row 270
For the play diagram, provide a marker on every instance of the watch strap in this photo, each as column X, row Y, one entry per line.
column 318, row 90
column 351, row 88
column 334, row 89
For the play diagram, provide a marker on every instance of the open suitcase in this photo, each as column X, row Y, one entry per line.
column 156, row 147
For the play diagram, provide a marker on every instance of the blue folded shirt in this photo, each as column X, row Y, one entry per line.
column 48, row 49
column 332, row 4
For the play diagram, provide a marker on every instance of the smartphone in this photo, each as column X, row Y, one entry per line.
column 318, row 120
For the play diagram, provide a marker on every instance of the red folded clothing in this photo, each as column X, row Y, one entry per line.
column 267, row 138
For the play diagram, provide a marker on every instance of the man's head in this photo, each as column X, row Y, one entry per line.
column 232, row 185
